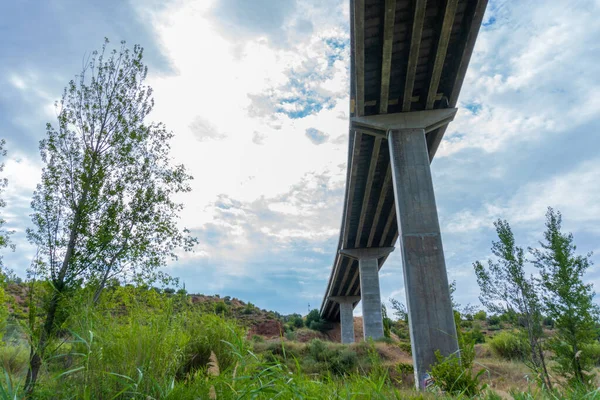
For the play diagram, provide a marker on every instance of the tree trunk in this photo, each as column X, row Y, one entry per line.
column 546, row 375
column 37, row 353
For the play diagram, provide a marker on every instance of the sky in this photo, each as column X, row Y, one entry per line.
column 257, row 96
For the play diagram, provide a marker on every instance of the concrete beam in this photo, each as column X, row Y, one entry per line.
column 346, row 316
column 384, row 189
column 353, row 172
column 368, row 266
column 413, row 56
column 368, row 187
column 440, row 55
column 386, row 58
column 431, row 320
column 367, row 252
column 427, row 120
column 359, row 55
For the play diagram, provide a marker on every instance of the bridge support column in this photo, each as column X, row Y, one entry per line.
column 368, row 266
column 431, row 319
column 346, row 316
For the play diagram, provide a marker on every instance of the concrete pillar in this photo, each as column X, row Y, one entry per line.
column 431, row 320
column 346, row 316
column 368, row 266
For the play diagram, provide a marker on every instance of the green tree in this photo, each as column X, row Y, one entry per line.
column 505, row 288
column 104, row 207
column 387, row 322
column 399, row 310
column 568, row 301
column 4, row 233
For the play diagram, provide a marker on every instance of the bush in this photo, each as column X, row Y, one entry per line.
column 466, row 324
column 493, row 320
column 209, row 333
column 248, row 309
column 476, row 335
column 318, row 350
column 406, row 347
column 454, row 375
column 592, row 352
column 509, row 345
column 221, row 308
column 480, row 315
column 343, row 362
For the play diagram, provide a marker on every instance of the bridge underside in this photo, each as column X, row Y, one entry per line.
column 408, row 63
column 407, row 55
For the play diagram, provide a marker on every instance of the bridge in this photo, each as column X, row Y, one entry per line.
column 408, row 62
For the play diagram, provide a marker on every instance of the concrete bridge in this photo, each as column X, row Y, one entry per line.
column 408, row 63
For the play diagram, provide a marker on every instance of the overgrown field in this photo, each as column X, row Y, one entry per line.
column 138, row 343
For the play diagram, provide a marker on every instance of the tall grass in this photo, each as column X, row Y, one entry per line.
column 138, row 344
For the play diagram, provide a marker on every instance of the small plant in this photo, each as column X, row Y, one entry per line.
column 509, row 345
column 454, row 374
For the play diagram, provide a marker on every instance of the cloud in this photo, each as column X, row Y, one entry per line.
column 240, row 18
column 317, row 80
column 204, row 130
column 258, row 138
column 532, row 73
column 316, row 136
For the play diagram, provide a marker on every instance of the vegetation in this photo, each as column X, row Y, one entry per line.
column 104, row 207
column 568, row 302
column 506, row 289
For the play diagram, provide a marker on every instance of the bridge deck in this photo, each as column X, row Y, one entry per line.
column 407, row 55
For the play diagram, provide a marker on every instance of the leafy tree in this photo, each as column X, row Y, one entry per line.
column 568, row 301
column 4, row 233
column 480, row 315
column 315, row 322
column 104, row 207
column 399, row 310
column 387, row 322
column 505, row 288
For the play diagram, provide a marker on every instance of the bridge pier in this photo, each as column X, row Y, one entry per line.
column 368, row 265
column 346, row 316
column 431, row 320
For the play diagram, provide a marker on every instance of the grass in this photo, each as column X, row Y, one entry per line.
column 138, row 344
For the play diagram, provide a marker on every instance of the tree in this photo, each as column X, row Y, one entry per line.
column 399, row 310
column 387, row 322
column 104, row 207
column 4, row 233
column 505, row 288
column 568, row 301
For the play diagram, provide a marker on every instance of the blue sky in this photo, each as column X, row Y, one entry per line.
column 258, row 92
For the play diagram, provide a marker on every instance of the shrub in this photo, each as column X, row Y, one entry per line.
column 454, row 374
column 476, row 335
column 509, row 345
column 480, row 315
column 343, row 362
column 405, row 368
column 493, row 320
column 257, row 339
column 318, row 350
column 221, row 308
column 592, row 352
column 248, row 309
column 209, row 333
column 405, row 347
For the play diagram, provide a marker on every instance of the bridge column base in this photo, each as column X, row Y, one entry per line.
column 368, row 266
column 431, row 320
column 346, row 316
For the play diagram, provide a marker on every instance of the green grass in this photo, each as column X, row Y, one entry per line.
column 138, row 344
